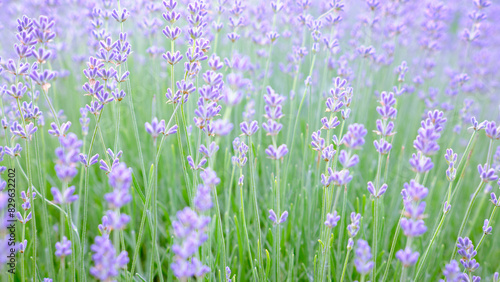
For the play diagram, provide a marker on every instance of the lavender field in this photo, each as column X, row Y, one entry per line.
column 247, row 140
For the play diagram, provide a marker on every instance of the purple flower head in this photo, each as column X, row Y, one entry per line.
column 414, row 191
column 413, row 228
column 332, row 219
column 363, row 258
column 346, row 160
column 354, row 137
column 273, row 217
column 487, row 174
column 203, row 199
column 120, row 17
column 63, row 198
column 63, row 248
column 22, row 246
column 84, row 159
column 228, row 274
column 437, row 119
column 420, row 163
column 486, row 227
column 466, row 250
column 373, row 191
column 330, row 123
column 328, row 153
column 452, row 272
column 221, row 127
column 383, row 147
column 106, row 263
column 272, row 127
column 426, row 141
column 384, row 129
column 318, row 143
column 57, row 132
column 194, row 166
column 476, row 125
column 120, row 177
column 407, row 257
column 155, row 128
column 353, row 228
column 386, row 110
column 492, row 131
column 340, row 178
column 249, row 128
column 276, row 153
column 209, row 177
column 273, row 99
column 68, row 155
column 210, row 151
column 274, row 113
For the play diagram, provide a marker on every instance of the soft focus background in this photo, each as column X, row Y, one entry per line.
column 110, row 68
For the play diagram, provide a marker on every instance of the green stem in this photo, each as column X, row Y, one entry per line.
column 489, row 221
column 256, row 206
column 466, row 216
column 242, row 211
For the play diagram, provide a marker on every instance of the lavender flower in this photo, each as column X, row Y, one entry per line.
column 466, row 250
column 65, row 197
column 275, row 220
column 63, row 248
column 452, row 272
column 487, row 174
column 413, row 194
column 363, row 258
column 407, row 257
column 106, row 262
column 332, row 219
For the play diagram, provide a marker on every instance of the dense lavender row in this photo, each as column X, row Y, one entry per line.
column 231, row 140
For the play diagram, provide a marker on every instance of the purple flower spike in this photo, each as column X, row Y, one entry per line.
column 330, row 124
column 466, row 250
column 155, row 128
column 67, row 197
column 486, row 227
column 120, row 17
column 492, row 131
column 452, row 272
column 363, row 258
column 22, row 246
column 228, row 274
column 221, row 127
column 353, row 228
column 407, row 257
column 487, row 174
column 354, row 137
column 374, row 192
column 63, row 248
column 332, row 219
column 346, row 160
column 276, row 153
column 203, row 199
column 249, row 129
column 106, row 263
column 476, row 125
column 421, row 163
column 495, row 200
column 273, row 217
column 318, row 143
